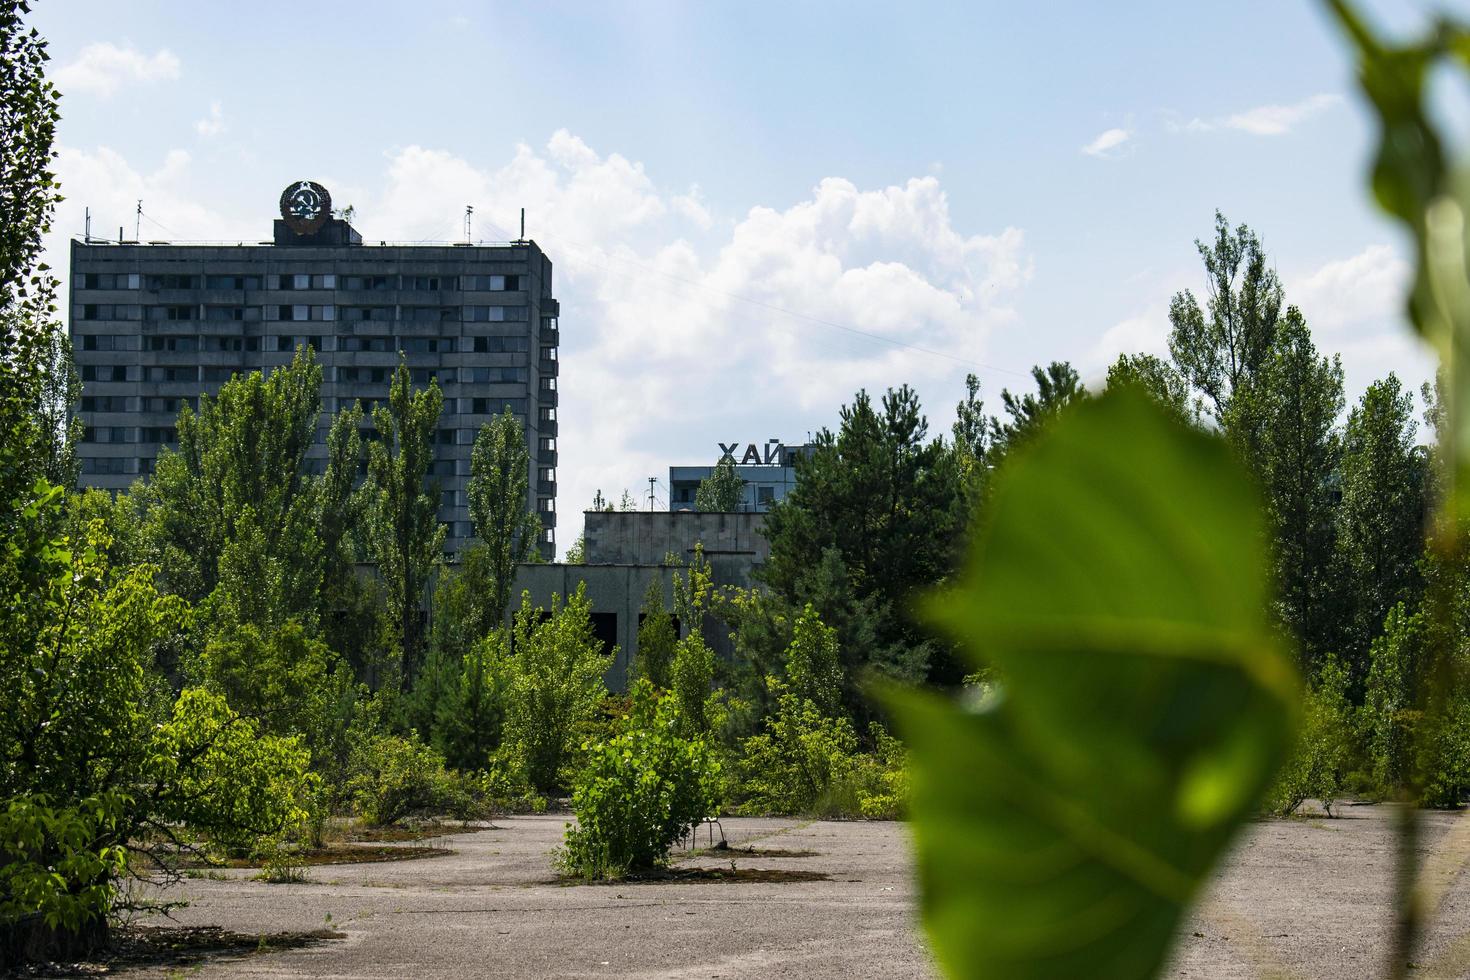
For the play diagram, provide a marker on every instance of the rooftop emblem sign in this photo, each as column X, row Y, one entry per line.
column 753, row 456
column 305, row 206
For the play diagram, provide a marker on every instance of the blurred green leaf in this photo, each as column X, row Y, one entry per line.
column 1118, row 590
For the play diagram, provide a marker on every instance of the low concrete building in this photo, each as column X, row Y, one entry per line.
column 626, row 550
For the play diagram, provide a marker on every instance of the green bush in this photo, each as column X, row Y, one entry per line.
column 801, row 763
column 394, row 777
column 639, row 792
column 1315, row 769
column 1443, row 742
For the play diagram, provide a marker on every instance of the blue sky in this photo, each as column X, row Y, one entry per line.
column 725, row 188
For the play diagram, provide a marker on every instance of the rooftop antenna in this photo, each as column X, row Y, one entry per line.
column 87, row 236
column 138, row 222
column 523, row 224
column 651, row 480
column 469, row 210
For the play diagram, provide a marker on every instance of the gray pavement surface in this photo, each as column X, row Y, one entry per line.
column 1297, row 898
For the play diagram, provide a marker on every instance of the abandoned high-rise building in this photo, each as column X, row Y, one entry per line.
column 156, row 324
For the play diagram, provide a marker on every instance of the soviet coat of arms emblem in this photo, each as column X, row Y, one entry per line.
column 305, row 206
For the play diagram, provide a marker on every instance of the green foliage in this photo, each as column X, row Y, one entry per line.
column 812, row 667
column 1221, row 347
column 721, row 490
column 404, row 534
column 1316, row 766
column 497, row 491
column 1282, row 418
column 469, row 719
column 234, row 506
column 556, row 685
column 1158, row 378
column 1057, row 386
column 1442, row 741
column 874, row 517
column 1380, row 523
column 1117, row 586
column 656, row 639
column 798, row 764
column 639, row 792
column 395, row 776
column 1389, row 712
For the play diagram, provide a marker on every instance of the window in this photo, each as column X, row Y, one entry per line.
column 173, row 313
column 546, row 505
column 300, row 311
column 497, row 345
column 107, row 433
column 421, row 282
column 185, row 344
column 357, row 314
column 422, row 376
column 104, row 341
column 547, row 444
column 229, row 344
column 442, row 467
column 365, row 375
column 173, row 282
column 147, row 465
column 494, row 314
column 104, row 403
column 548, row 353
column 109, row 280
column 158, row 433
column 548, row 384
column 366, row 282
column 231, row 282
column 288, row 344
column 224, row 313
column 546, row 414
column 494, row 375
column 174, row 374
column 104, row 372
column 109, row 311
column 109, row 465
column 765, row 495
column 494, row 406
column 168, row 405
column 449, row 498
column 220, row 374
column 429, row 314
column 444, row 437
column 492, row 284
column 425, row 345
column 547, row 474
column 378, row 345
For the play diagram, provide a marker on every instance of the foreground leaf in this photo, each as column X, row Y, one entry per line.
column 1118, row 589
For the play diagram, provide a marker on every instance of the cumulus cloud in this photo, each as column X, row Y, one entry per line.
column 1269, row 120
column 214, row 123
column 761, row 329
column 102, row 67
column 1108, row 143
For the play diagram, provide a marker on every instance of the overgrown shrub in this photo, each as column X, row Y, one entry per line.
column 557, row 667
column 639, row 792
column 395, row 777
column 1316, row 767
column 1443, row 742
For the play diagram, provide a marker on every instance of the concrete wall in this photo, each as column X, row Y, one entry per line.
column 645, row 537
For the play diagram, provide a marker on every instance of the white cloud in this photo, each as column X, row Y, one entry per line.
column 764, row 327
column 1269, row 120
column 101, row 68
column 1145, row 332
column 1108, row 143
column 214, row 123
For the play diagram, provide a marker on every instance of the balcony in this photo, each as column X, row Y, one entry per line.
column 550, row 336
column 546, row 457
column 547, row 367
column 546, row 487
column 545, row 428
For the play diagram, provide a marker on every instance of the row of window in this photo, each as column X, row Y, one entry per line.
column 304, row 311
column 123, row 373
column 133, row 280
column 378, row 345
column 96, row 404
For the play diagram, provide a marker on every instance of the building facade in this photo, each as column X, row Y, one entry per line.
column 768, row 472
column 155, row 325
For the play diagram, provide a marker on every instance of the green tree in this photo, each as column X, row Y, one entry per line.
column 1057, row 386
column 1220, row 347
column 499, row 510
column 721, row 490
column 1158, row 378
column 971, row 432
column 1380, row 523
column 470, row 720
column 876, row 514
column 404, row 534
column 1283, row 422
column 813, row 670
column 236, row 493
column 558, row 665
column 656, row 639
column 1391, row 700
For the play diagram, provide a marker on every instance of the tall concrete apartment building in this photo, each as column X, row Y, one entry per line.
column 155, row 325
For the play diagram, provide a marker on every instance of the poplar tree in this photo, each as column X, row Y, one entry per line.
column 721, row 490
column 1219, row 347
column 498, row 492
column 404, row 534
